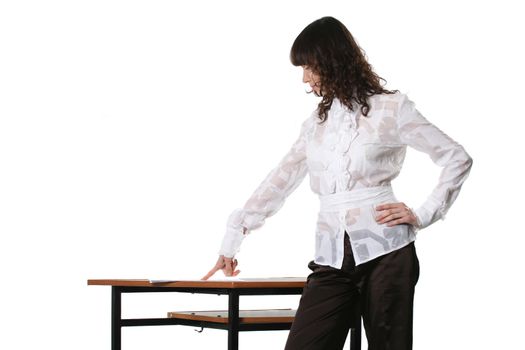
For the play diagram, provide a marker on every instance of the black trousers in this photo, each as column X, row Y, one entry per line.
column 382, row 290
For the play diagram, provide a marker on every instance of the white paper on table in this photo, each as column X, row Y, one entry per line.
column 235, row 278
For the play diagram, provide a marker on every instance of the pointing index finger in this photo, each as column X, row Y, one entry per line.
column 211, row 273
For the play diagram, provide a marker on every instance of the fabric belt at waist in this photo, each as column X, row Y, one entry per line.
column 356, row 198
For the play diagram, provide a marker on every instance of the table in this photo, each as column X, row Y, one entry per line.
column 233, row 288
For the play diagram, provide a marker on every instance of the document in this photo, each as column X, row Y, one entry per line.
column 234, row 279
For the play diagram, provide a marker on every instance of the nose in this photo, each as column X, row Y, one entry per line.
column 306, row 76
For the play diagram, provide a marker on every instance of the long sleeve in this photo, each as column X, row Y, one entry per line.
column 419, row 133
column 269, row 196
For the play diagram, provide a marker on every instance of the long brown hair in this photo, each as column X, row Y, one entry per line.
column 328, row 48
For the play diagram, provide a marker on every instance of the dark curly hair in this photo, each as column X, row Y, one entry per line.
column 327, row 47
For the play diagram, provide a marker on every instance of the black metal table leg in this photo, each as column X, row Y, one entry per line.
column 233, row 320
column 116, row 316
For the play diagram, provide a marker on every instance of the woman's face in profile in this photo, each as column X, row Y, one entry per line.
column 309, row 77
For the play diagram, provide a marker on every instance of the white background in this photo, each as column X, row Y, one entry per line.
column 129, row 131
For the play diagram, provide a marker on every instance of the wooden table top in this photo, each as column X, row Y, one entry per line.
column 280, row 282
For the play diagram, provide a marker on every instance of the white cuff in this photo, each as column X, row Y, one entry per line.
column 423, row 217
column 417, row 226
column 231, row 242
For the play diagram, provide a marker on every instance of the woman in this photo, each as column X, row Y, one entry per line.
column 352, row 147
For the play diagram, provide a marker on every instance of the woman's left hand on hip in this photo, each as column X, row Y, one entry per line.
column 394, row 214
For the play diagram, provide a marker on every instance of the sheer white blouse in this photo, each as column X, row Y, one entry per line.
column 351, row 160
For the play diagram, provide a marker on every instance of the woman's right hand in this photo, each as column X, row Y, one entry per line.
column 227, row 265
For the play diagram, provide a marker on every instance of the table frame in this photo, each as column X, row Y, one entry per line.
column 233, row 326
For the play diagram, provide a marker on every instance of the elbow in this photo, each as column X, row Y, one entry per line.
column 463, row 159
column 468, row 161
column 460, row 165
column 463, row 167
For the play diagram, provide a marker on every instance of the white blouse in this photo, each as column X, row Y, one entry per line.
column 351, row 160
